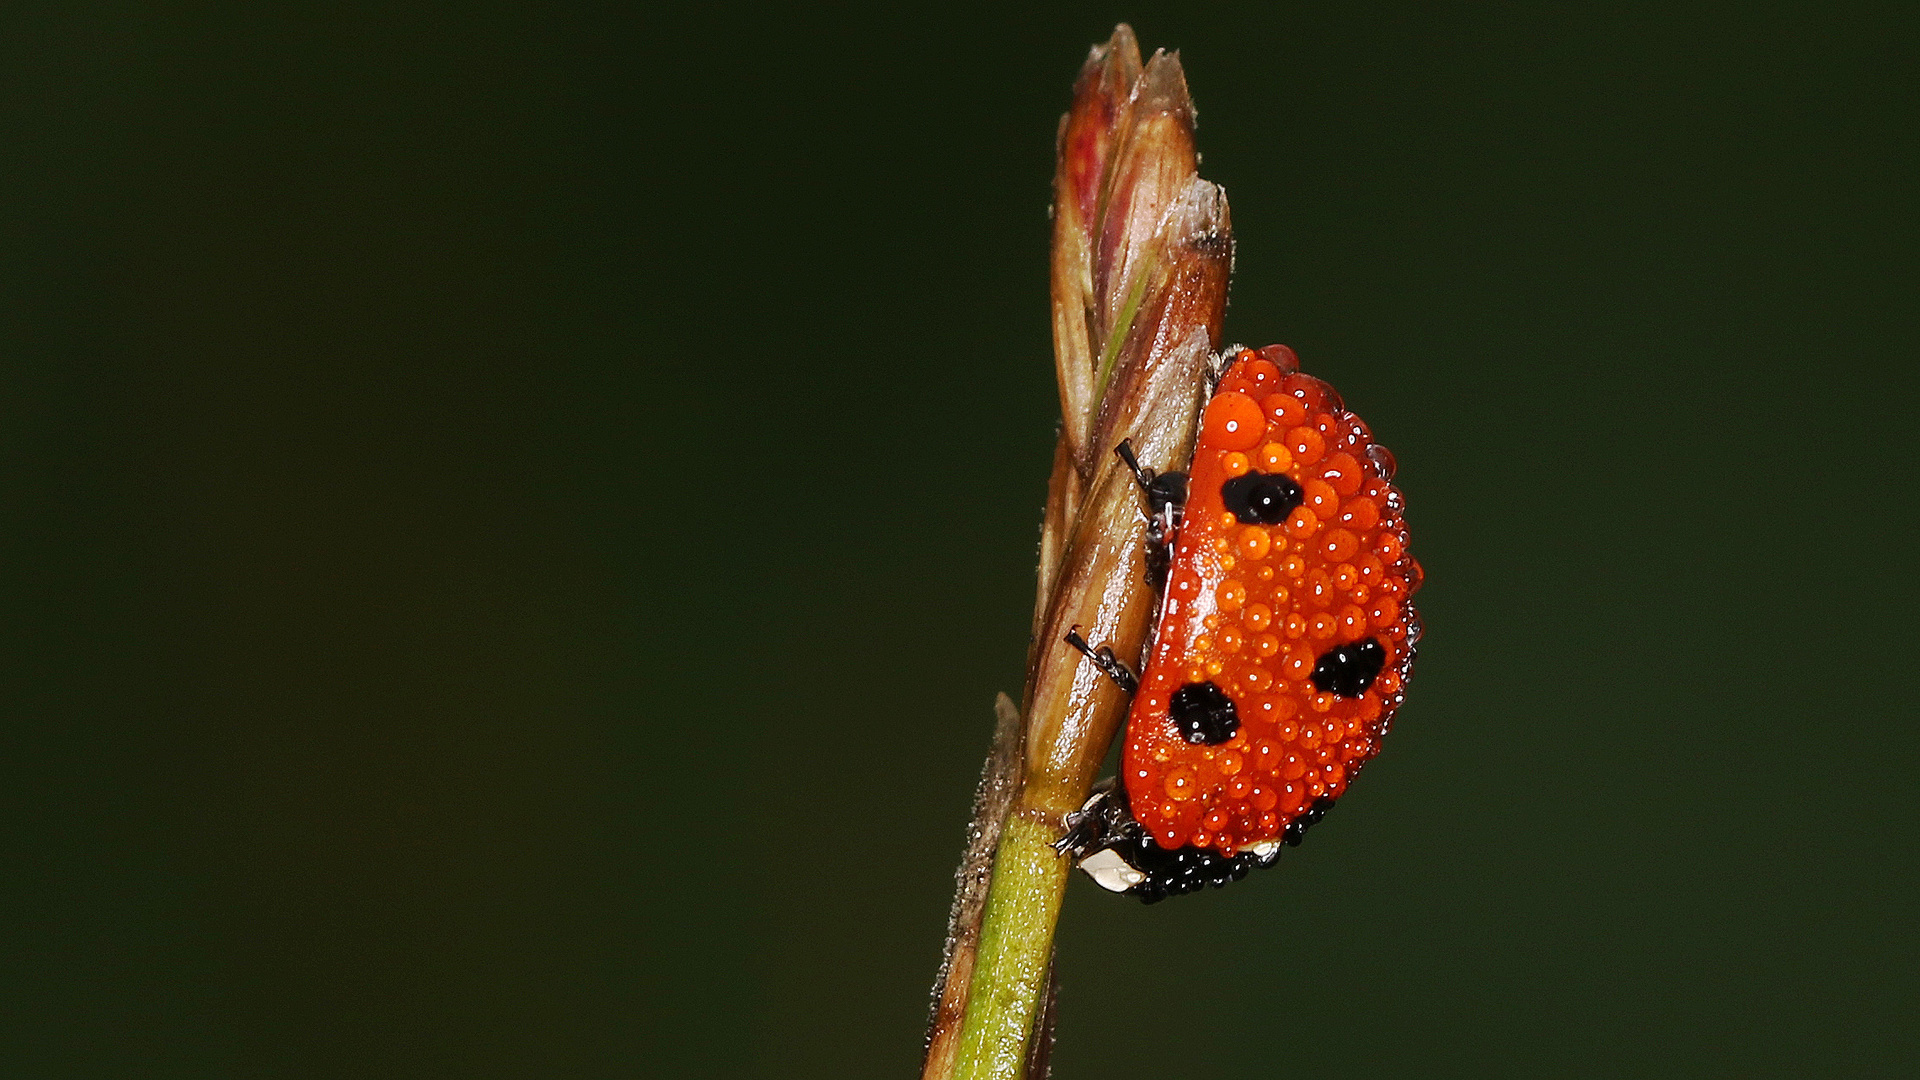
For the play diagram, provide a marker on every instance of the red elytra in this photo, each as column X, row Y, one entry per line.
column 1289, row 597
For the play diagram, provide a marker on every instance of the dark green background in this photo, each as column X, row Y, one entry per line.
column 514, row 518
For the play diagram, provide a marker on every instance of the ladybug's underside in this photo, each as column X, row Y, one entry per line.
column 1285, row 640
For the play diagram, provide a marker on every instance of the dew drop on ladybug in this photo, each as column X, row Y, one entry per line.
column 1295, row 612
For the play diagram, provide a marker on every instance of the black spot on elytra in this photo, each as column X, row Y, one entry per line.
column 1258, row 498
column 1347, row 670
column 1204, row 714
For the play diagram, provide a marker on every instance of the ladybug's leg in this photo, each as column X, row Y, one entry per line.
column 1101, row 836
column 1166, row 494
column 1160, row 529
column 1104, row 659
column 1095, row 824
column 1163, row 490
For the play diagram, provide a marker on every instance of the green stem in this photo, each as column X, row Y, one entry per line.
column 1016, row 946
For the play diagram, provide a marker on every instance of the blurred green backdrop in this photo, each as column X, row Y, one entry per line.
column 515, row 515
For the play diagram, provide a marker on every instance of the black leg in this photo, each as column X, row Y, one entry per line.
column 1100, row 821
column 1144, row 477
column 1162, row 489
column 1104, row 659
column 1166, row 494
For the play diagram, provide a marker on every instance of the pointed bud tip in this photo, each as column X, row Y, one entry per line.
column 1121, row 43
column 1117, row 59
column 1163, row 85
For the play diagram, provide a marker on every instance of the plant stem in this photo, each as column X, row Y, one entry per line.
column 1016, row 948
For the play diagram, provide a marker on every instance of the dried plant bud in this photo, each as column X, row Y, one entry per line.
column 1089, row 135
column 1154, row 168
column 1182, row 291
column 1142, row 250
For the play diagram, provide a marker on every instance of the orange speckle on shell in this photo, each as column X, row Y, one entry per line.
column 1371, row 570
column 1353, row 622
column 1261, row 372
column 1343, row 472
column 1360, row 514
column 1319, row 589
column 1275, row 458
column 1180, row 783
column 1313, row 393
column 1299, row 662
column 1306, row 444
column 1291, row 796
column 1301, row 523
column 1256, row 617
column 1230, row 595
column 1252, row 543
column 1384, row 612
column 1319, row 497
column 1266, row 755
column 1233, row 422
column 1285, row 410
column 1338, row 546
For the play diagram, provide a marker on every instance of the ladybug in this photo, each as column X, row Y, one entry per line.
column 1283, row 647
